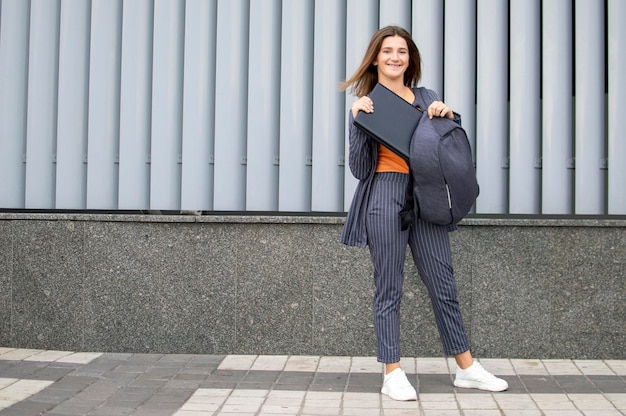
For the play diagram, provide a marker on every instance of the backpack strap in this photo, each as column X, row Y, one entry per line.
column 407, row 213
column 409, row 210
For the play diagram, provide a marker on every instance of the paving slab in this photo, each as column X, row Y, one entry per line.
column 64, row 383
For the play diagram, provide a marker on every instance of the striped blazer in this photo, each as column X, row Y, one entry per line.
column 363, row 158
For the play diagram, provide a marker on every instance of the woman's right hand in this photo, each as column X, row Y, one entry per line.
column 364, row 104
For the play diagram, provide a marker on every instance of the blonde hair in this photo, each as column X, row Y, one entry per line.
column 366, row 76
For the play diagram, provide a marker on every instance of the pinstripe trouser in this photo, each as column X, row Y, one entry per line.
column 430, row 247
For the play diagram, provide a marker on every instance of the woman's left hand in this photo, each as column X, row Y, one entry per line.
column 440, row 109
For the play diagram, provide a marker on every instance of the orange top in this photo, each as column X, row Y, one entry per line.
column 388, row 161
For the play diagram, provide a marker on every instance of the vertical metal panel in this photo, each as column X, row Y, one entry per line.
column 231, row 104
column 427, row 17
column 328, row 119
column 263, row 106
column 42, row 104
column 71, row 169
column 104, row 108
column 167, row 104
column 199, row 105
column 590, row 107
column 153, row 117
column 135, row 104
column 459, row 55
column 557, row 128
column 361, row 23
column 525, row 109
column 617, row 103
column 395, row 12
column 491, row 118
column 14, row 35
column 296, row 110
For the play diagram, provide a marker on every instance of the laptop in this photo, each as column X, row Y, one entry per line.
column 393, row 121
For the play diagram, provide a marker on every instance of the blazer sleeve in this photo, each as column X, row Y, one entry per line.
column 361, row 148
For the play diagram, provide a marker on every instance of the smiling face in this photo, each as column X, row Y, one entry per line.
column 392, row 60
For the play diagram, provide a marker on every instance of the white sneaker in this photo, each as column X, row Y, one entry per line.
column 476, row 377
column 397, row 387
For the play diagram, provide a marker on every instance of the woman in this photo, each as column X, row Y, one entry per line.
column 393, row 60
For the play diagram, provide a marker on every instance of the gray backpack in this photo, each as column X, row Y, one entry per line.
column 443, row 183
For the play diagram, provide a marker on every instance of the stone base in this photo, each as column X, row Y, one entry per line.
column 209, row 284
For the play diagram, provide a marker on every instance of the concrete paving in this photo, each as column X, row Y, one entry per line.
column 37, row 382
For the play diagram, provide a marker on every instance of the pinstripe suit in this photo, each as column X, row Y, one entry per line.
column 373, row 220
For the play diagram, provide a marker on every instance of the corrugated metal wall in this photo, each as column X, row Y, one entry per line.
column 234, row 104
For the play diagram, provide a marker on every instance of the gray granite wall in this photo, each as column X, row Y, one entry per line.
column 284, row 285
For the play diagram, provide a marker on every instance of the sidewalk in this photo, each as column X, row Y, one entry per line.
column 34, row 382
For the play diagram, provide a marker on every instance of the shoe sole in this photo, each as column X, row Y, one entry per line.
column 410, row 399
column 470, row 385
